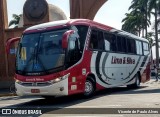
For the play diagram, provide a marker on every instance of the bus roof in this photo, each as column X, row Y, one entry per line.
column 83, row 22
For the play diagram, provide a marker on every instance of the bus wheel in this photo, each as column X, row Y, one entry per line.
column 89, row 87
column 136, row 84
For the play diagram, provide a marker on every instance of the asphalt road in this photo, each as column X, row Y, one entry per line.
column 115, row 102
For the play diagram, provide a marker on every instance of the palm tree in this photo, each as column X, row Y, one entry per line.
column 154, row 5
column 15, row 21
column 142, row 7
column 134, row 22
column 131, row 24
column 150, row 36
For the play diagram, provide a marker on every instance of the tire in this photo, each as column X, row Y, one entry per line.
column 89, row 87
column 137, row 82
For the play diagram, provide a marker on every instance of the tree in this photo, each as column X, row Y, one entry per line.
column 142, row 7
column 15, row 20
column 150, row 36
column 131, row 24
column 134, row 22
column 154, row 5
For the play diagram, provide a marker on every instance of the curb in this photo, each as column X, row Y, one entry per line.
column 7, row 94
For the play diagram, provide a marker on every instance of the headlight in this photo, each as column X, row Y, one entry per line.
column 59, row 79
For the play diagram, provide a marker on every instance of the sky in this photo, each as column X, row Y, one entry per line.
column 111, row 13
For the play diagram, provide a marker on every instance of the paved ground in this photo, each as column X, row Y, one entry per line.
column 108, row 101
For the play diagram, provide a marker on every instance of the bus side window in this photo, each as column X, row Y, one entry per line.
column 119, row 45
column 93, row 40
column 131, row 46
column 97, row 40
column 110, row 41
column 113, row 43
column 139, row 47
column 124, row 46
column 145, row 48
column 82, row 32
column 107, row 40
column 100, row 40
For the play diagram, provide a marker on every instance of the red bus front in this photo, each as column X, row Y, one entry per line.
column 44, row 67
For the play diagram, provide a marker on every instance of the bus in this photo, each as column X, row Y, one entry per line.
column 78, row 56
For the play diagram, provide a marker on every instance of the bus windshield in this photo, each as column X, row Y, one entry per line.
column 40, row 53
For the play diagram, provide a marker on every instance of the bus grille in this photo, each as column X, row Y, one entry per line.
column 35, row 83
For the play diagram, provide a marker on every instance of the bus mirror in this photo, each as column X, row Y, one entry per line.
column 9, row 43
column 65, row 38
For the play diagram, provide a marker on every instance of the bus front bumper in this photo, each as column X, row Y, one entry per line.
column 56, row 89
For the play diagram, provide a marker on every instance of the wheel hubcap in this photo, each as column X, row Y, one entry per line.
column 88, row 87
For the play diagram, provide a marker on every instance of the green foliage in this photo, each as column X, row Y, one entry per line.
column 15, row 20
column 139, row 17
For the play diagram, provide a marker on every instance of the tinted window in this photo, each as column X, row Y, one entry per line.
column 113, row 43
column 93, row 40
column 119, row 44
column 100, row 40
column 124, row 47
column 82, row 31
column 131, row 47
column 97, row 40
column 111, row 40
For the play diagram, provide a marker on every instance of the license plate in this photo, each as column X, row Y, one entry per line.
column 35, row 91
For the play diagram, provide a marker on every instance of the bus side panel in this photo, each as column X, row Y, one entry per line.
column 78, row 74
column 75, row 83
